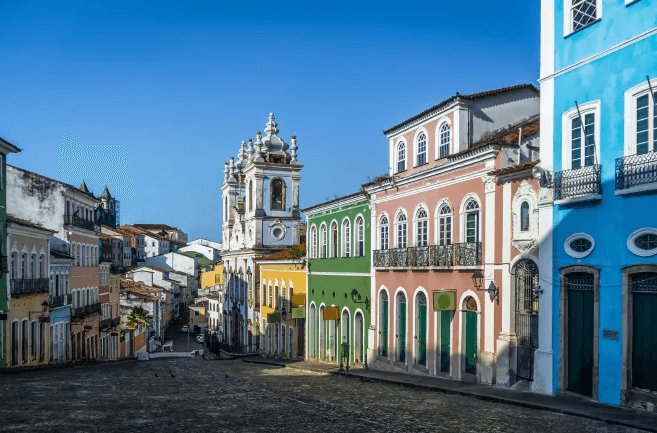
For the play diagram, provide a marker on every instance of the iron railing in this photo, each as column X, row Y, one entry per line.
column 82, row 223
column 105, row 323
column 636, row 170
column 85, row 310
column 463, row 254
column 57, row 301
column 29, row 286
column 569, row 184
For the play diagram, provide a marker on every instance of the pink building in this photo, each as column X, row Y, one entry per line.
column 459, row 202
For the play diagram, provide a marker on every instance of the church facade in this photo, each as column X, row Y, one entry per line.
column 261, row 215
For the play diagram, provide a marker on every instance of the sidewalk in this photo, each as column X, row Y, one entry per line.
column 567, row 405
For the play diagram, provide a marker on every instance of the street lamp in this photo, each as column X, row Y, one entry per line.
column 478, row 282
column 355, row 297
column 44, row 308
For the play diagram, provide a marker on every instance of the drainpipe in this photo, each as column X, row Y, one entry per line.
column 519, row 143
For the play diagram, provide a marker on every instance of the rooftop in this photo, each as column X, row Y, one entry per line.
column 23, row 222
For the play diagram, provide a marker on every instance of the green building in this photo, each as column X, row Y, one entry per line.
column 5, row 149
column 339, row 278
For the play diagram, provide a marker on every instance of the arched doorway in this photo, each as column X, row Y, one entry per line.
column 642, row 281
column 383, row 323
column 470, row 336
column 358, row 338
column 345, row 335
column 421, row 329
column 321, row 333
column 526, row 280
column 312, row 350
column 580, row 325
column 291, row 342
column 401, row 327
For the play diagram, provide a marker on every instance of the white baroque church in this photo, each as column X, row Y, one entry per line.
column 260, row 216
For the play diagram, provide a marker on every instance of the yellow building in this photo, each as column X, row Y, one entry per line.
column 213, row 278
column 282, row 320
column 28, row 315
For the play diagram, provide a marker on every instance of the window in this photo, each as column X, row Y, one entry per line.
column 472, row 221
column 283, row 297
column 33, row 266
column 445, row 225
column 524, row 216
column 334, row 239
column 422, row 149
column 582, row 13
column 643, row 242
column 445, row 140
column 346, row 238
column 646, row 123
column 271, row 304
column 250, row 196
column 384, row 233
column 322, row 242
column 401, row 231
column 277, row 194
column 33, row 340
column 589, row 141
column 225, row 208
column 401, row 157
column 24, row 265
column 579, row 245
column 14, row 265
column 360, row 237
column 421, row 231
column 313, row 242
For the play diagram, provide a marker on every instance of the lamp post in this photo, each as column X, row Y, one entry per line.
column 478, row 282
column 44, row 308
column 355, row 297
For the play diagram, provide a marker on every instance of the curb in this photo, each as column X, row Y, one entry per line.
column 494, row 399
column 54, row 367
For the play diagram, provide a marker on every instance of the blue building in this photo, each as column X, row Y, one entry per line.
column 598, row 201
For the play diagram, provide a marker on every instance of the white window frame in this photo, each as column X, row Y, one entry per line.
column 397, row 226
column 313, row 242
column 416, row 226
column 439, row 218
column 464, row 218
column 568, row 17
column 345, row 235
column 416, row 148
column 576, row 254
column 333, row 249
column 631, row 97
column 397, row 160
column 566, row 131
column 359, row 229
column 387, row 234
column 636, row 250
column 448, row 123
column 323, row 246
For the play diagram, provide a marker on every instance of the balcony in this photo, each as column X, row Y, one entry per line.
column 82, row 223
column 86, row 310
column 434, row 256
column 59, row 301
column 582, row 184
column 636, row 173
column 29, row 286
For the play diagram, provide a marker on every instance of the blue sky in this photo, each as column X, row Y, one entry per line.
column 151, row 99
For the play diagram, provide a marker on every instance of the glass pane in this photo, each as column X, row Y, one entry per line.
column 642, row 125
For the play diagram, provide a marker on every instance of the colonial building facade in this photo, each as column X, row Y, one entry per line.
column 261, row 215
column 599, row 172
column 339, row 277
column 455, row 234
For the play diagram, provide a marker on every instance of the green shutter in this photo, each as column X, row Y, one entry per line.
column 445, row 349
column 402, row 332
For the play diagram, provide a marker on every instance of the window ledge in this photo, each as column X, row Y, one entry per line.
column 631, row 2
column 639, row 189
column 583, row 28
column 420, row 165
column 580, row 199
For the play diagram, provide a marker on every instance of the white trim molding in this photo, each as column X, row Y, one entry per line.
column 636, row 250
column 525, row 241
column 576, row 254
column 631, row 97
column 566, row 133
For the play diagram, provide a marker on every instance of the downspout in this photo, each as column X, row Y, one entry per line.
column 519, row 143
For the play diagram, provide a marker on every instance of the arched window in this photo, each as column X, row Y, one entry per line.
column 384, row 233
column 42, row 266
column 322, row 242
column 346, row 238
column 360, row 237
column 401, row 157
column 277, row 194
column 334, row 239
column 445, row 225
column 250, row 196
column 421, row 231
column 524, row 216
column 33, row 266
column 401, row 230
column 225, row 208
column 313, row 242
column 445, row 140
column 472, row 221
column 422, row 149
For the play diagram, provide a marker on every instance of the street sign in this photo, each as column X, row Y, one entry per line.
column 298, row 312
column 444, row 301
column 331, row 313
column 298, row 300
column 273, row 318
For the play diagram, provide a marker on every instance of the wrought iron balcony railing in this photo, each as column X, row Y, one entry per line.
column 85, row 310
column 578, row 183
column 636, row 170
column 105, row 323
column 57, row 301
column 82, row 223
column 463, row 254
column 29, row 286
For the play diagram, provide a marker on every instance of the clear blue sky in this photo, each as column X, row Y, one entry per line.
column 152, row 99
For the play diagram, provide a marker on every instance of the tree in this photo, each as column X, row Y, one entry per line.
column 138, row 316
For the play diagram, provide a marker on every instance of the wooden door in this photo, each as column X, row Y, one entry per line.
column 383, row 344
column 422, row 334
column 471, row 342
column 644, row 331
column 401, row 334
column 580, row 333
column 445, row 347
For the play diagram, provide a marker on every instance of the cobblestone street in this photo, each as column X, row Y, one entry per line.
column 180, row 395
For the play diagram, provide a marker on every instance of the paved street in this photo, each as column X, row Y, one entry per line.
column 178, row 395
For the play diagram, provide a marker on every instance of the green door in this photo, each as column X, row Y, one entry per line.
column 383, row 344
column 445, row 349
column 422, row 335
column 401, row 335
column 580, row 333
column 471, row 342
column 345, row 337
column 644, row 332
